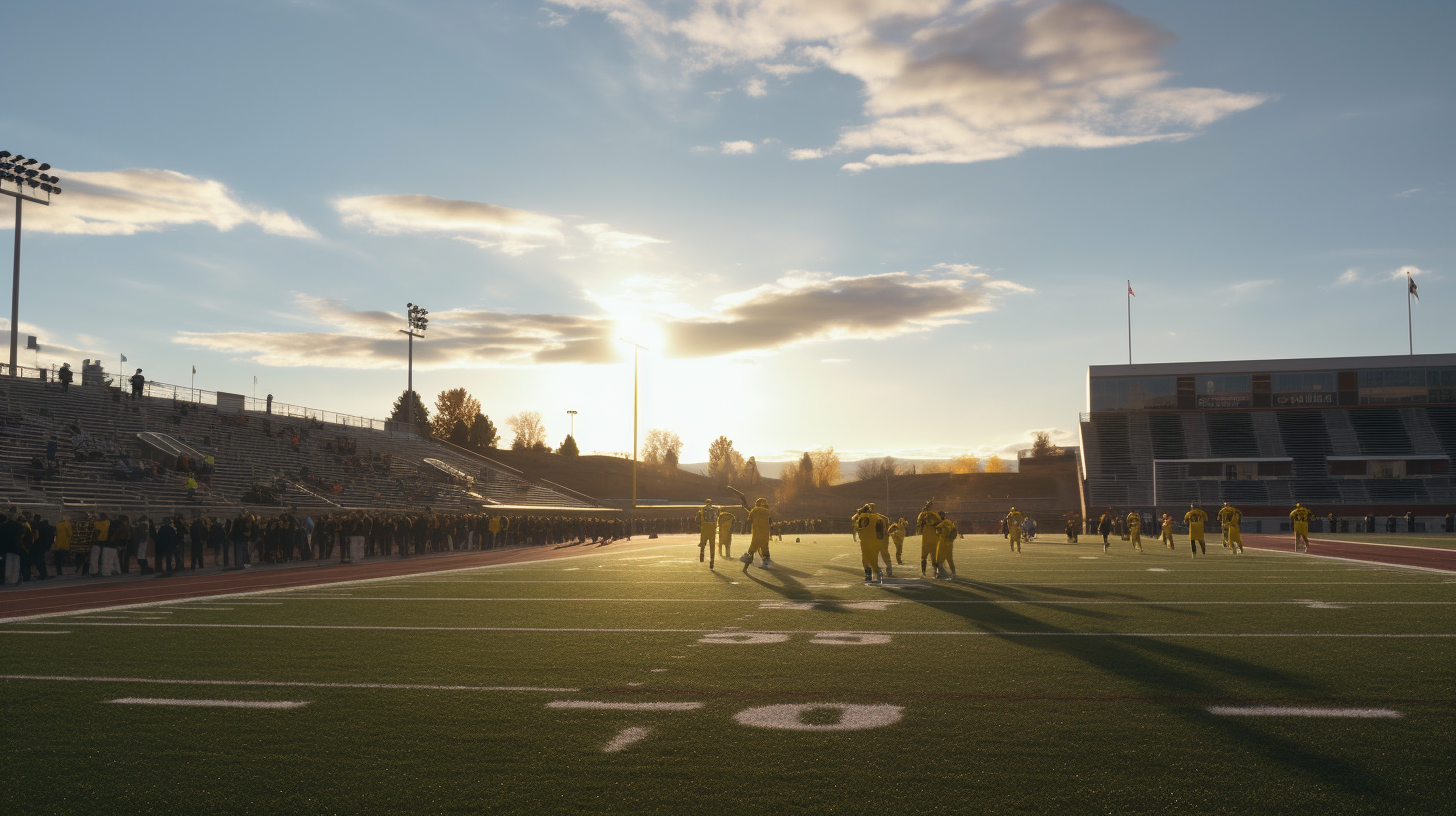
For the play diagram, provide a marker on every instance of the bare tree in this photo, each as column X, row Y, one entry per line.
column 876, row 469
column 661, row 449
column 724, row 462
column 826, row 466
column 529, row 430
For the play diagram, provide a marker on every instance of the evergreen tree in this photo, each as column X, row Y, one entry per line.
column 460, row 434
column 400, row 412
column 568, row 447
column 483, row 435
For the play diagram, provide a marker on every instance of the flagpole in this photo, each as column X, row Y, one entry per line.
column 1410, row 336
column 1129, row 322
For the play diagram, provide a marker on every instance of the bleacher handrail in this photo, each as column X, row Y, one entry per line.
column 282, row 410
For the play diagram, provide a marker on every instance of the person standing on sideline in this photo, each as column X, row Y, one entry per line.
column 946, row 534
column 110, row 564
column 1194, row 518
column 1299, row 519
column 141, row 536
column 121, row 534
column 61, row 551
column 1167, row 530
column 1104, row 527
column 167, row 541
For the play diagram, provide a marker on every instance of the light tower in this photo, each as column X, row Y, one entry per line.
column 418, row 322
column 26, row 175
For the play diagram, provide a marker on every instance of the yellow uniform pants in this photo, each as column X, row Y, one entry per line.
column 945, row 555
column 1168, row 537
column 706, row 534
column 725, row 542
column 1015, row 536
column 1301, row 530
column 1195, row 531
column 1235, row 540
column 899, row 539
column 869, row 551
column 1137, row 538
column 928, row 543
column 758, row 545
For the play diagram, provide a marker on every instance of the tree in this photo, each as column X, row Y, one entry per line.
column 1042, row 446
column 455, row 405
column 400, row 412
column 995, row 464
column 661, row 449
column 724, row 463
column 460, row 433
column 826, row 466
column 877, row 469
column 483, row 435
column 750, row 472
column 965, row 463
column 804, row 474
column 568, row 447
column 789, row 482
column 529, row 431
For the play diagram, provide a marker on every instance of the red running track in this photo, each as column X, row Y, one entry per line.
column 1395, row 554
column 73, row 597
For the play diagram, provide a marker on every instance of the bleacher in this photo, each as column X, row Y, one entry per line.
column 335, row 466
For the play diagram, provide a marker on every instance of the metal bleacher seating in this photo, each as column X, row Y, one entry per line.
column 334, row 466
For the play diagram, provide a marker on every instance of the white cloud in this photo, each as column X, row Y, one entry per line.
column 1349, row 276
column 805, row 153
column 947, row 80
column 488, row 226
column 606, row 239
column 1413, row 271
column 797, row 309
column 1408, row 193
column 126, row 202
column 756, row 87
column 738, row 148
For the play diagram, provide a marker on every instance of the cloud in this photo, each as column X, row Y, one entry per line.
column 126, row 202
column 1403, row 271
column 755, row 87
column 738, row 148
column 1408, row 193
column 1349, row 276
column 797, row 309
column 1357, row 275
column 488, row 226
column 605, row 239
column 805, row 153
column 947, row 81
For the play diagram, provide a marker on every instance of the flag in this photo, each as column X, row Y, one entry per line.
column 194, row 370
column 1411, row 286
column 123, row 358
column 1130, row 292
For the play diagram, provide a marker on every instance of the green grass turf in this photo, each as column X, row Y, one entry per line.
column 1015, row 698
column 1443, row 541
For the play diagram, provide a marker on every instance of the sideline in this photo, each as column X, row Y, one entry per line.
column 1262, row 542
column 80, row 606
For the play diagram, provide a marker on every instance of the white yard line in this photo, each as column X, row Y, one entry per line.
column 162, row 701
column 279, row 683
column 1291, row 711
column 594, row 705
column 33, row 632
column 582, row 630
column 811, row 603
column 625, row 738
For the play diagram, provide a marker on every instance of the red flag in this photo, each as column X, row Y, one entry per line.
column 1130, row 292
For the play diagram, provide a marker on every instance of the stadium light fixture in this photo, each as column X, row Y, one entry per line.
column 14, row 170
column 416, row 316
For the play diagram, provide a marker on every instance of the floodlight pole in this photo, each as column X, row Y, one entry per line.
column 15, row 282
column 636, row 347
column 572, row 414
column 409, row 402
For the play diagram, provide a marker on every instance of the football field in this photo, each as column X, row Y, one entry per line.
column 638, row 681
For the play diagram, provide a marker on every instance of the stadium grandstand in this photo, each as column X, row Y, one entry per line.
column 94, row 447
column 1352, row 437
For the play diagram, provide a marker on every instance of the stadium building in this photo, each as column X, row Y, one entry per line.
column 1352, row 436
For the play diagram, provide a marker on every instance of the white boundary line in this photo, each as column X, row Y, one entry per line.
column 1292, row 711
column 162, row 701
column 801, row 605
column 279, row 683
column 545, row 630
column 1386, row 564
column 276, row 590
column 594, row 705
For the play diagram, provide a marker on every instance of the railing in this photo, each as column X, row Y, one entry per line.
column 199, row 396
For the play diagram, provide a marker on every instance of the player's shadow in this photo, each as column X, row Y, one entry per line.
column 1155, row 665
column 793, row 590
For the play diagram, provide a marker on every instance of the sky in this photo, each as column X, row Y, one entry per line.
column 897, row 227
